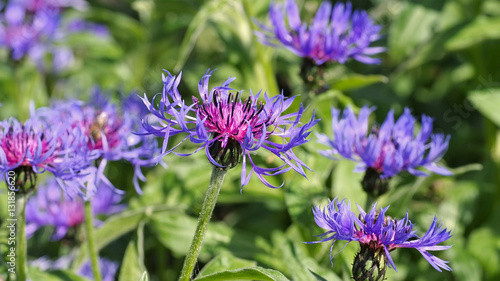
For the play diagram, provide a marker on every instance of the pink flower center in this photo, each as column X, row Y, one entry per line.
column 22, row 147
column 231, row 118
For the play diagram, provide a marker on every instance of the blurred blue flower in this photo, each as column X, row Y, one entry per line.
column 37, row 5
column 379, row 232
column 107, row 267
column 39, row 146
column 387, row 150
column 34, row 28
column 229, row 129
column 22, row 35
column 63, row 209
column 111, row 134
column 336, row 34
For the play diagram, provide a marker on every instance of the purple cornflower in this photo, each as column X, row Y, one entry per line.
column 387, row 150
column 379, row 233
column 228, row 128
column 38, row 146
column 334, row 35
column 51, row 206
column 110, row 134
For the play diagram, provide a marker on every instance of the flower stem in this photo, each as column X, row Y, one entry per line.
column 22, row 249
column 206, row 213
column 89, row 226
column 370, row 199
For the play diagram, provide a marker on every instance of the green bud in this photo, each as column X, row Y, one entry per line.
column 373, row 184
column 370, row 263
column 229, row 156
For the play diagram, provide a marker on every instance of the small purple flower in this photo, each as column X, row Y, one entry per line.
column 387, row 150
column 110, row 134
column 379, row 232
column 228, row 128
column 336, row 34
column 51, row 206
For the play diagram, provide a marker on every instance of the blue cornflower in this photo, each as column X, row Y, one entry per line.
column 38, row 146
column 110, row 132
column 387, row 150
column 229, row 129
column 377, row 232
column 51, row 206
column 334, row 35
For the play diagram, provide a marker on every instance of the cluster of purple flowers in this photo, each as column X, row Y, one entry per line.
column 51, row 206
column 34, row 28
column 229, row 128
column 335, row 35
column 379, row 232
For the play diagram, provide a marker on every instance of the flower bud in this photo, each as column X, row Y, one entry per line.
column 370, row 263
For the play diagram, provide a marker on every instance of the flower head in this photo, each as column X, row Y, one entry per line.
column 51, row 206
column 387, row 150
column 110, row 132
column 229, row 128
column 38, row 146
column 336, row 34
column 378, row 232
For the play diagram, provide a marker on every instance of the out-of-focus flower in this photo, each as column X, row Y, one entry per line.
column 23, row 36
column 51, row 206
column 378, row 235
column 34, row 28
column 335, row 35
column 107, row 267
column 110, row 132
column 38, row 146
column 384, row 152
column 228, row 128
column 38, row 5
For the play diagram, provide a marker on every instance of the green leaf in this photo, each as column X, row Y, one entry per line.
column 132, row 265
column 358, row 81
column 199, row 22
column 347, row 184
column 35, row 273
column 247, row 273
column 175, row 231
column 116, row 226
column 224, row 261
column 413, row 26
column 487, row 101
column 476, row 32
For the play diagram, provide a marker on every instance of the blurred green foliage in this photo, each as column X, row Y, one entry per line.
column 442, row 60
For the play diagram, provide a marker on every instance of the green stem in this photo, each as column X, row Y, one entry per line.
column 22, row 249
column 89, row 226
column 369, row 202
column 206, row 213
